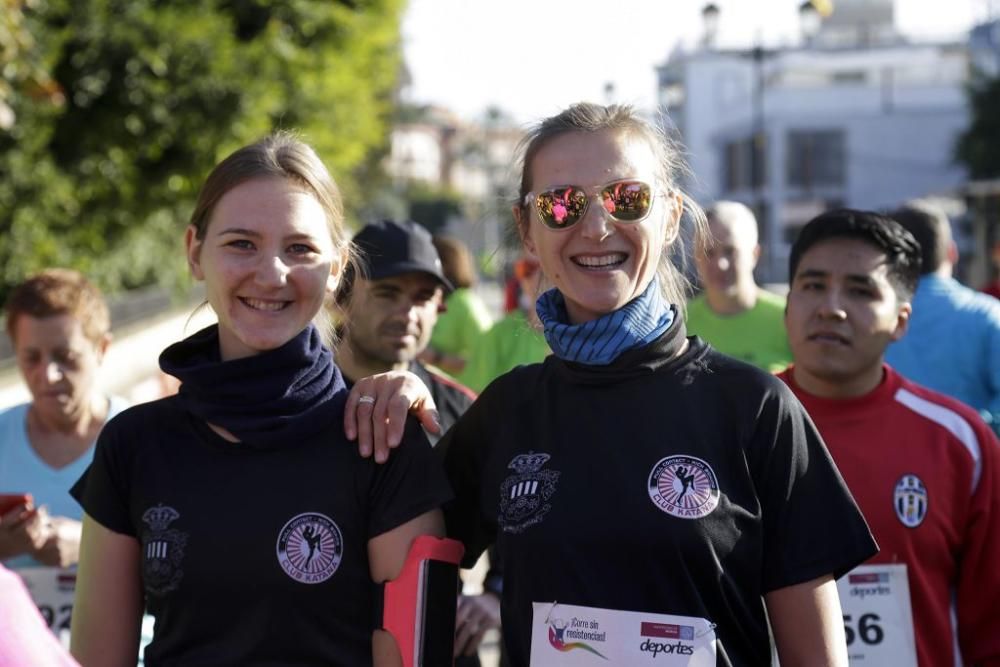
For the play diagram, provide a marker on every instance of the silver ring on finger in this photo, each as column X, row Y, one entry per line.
column 367, row 399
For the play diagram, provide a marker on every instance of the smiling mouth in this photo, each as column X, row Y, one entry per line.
column 600, row 262
column 265, row 306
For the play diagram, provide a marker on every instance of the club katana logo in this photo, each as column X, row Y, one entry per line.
column 310, row 548
column 910, row 500
column 684, row 487
column 524, row 496
column 162, row 550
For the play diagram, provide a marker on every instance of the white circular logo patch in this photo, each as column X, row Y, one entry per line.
column 684, row 487
column 910, row 500
column 310, row 548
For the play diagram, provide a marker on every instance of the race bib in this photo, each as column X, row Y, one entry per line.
column 878, row 619
column 52, row 590
column 569, row 635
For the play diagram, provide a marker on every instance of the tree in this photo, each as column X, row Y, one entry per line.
column 99, row 170
column 978, row 148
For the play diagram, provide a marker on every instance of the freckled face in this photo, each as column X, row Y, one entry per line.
column 268, row 262
column 598, row 264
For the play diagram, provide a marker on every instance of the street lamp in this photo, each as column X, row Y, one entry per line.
column 810, row 21
column 758, row 58
column 609, row 92
column 710, row 24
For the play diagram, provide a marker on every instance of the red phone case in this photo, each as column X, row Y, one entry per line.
column 403, row 594
column 9, row 501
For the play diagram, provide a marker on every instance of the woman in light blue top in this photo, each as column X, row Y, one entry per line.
column 59, row 325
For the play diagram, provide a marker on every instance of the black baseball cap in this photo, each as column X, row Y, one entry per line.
column 389, row 248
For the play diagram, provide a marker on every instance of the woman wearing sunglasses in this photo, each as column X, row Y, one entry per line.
column 648, row 496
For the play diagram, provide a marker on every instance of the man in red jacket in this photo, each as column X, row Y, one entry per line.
column 924, row 468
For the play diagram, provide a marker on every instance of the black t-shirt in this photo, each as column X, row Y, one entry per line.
column 451, row 397
column 250, row 556
column 688, row 486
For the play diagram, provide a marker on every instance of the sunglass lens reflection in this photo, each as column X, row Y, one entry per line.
column 627, row 201
column 563, row 207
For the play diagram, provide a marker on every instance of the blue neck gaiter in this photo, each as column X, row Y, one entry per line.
column 599, row 342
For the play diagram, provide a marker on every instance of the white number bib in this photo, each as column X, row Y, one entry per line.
column 52, row 590
column 569, row 635
column 878, row 619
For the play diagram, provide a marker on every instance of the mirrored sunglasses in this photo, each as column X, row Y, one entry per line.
column 627, row 201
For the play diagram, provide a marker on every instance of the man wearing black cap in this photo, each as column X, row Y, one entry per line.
column 390, row 309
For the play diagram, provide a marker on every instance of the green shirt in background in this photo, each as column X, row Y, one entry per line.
column 756, row 336
column 465, row 319
column 510, row 342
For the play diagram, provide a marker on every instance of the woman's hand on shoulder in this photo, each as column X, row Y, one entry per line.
column 376, row 411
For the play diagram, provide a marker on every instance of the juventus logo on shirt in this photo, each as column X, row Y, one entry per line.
column 910, row 500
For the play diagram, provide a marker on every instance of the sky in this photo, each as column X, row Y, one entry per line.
column 531, row 58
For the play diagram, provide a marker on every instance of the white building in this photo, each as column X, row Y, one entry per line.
column 854, row 116
column 465, row 158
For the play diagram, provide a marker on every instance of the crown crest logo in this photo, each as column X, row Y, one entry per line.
column 530, row 462
column 159, row 517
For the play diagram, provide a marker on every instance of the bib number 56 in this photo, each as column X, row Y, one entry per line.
column 868, row 629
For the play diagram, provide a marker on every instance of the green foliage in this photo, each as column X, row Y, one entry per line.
column 123, row 106
column 978, row 148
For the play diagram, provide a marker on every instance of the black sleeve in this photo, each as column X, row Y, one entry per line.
column 104, row 488
column 464, row 448
column 410, row 483
column 812, row 526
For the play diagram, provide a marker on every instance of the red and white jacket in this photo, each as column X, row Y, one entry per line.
column 902, row 435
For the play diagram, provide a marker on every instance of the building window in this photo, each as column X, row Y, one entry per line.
column 744, row 166
column 815, row 157
column 850, row 77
